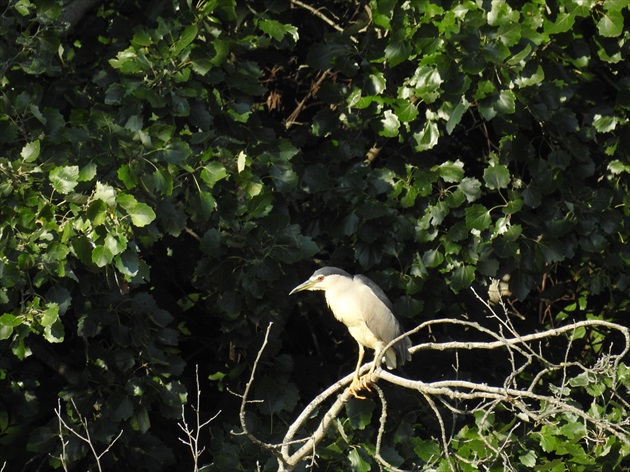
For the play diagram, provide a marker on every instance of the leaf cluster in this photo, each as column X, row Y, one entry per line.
column 169, row 171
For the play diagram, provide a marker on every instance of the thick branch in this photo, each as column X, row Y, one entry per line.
column 464, row 390
column 521, row 353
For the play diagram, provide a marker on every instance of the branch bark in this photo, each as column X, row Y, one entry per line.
column 531, row 402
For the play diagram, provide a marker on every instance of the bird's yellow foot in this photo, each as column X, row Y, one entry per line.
column 358, row 384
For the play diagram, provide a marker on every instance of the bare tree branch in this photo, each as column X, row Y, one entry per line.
column 191, row 438
column 530, row 400
column 85, row 436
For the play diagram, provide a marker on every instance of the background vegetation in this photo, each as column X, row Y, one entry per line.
column 171, row 169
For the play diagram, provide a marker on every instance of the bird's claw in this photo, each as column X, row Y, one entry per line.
column 358, row 384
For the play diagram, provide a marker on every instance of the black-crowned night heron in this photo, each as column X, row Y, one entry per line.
column 364, row 308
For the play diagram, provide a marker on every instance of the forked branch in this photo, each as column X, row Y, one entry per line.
column 530, row 400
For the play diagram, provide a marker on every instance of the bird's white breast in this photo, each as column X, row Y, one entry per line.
column 350, row 311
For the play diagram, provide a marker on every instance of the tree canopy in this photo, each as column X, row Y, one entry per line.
column 169, row 170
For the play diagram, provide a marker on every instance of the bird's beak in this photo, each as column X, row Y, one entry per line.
column 303, row 286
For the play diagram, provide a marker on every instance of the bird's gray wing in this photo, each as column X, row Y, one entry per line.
column 378, row 291
column 380, row 319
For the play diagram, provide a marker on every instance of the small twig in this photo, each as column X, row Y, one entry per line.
column 244, row 401
column 437, row 414
column 381, row 431
column 318, row 14
column 291, row 119
column 465, row 390
column 85, row 438
column 192, row 437
column 523, row 353
column 64, row 443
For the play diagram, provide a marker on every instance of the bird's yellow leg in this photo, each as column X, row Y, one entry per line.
column 357, row 383
column 363, row 383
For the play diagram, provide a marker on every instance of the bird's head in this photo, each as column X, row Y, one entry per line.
column 322, row 279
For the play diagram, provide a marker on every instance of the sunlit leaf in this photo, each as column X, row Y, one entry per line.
column 611, row 23
column 428, row 137
column 496, row 176
column 390, row 124
column 30, row 152
column 64, row 179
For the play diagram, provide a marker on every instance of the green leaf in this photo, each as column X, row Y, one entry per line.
column 64, row 179
column 260, row 205
column 617, row 167
column 23, row 7
column 337, row 53
column 140, row 421
column 529, row 78
column 432, row 258
column 87, row 172
column 359, row 413
column 30, row 152
column 274, row 399
column 390, row 124
column 212, row 173
column 162, row 182
column 450, row 171
column 97, row 212
column 564, row 22
column 405, row 110
column 127, row 176
column 115, row 245
column 378, row 84
column 134, row 123
column 105, row 193
column 277, row 30
column 141, row 214
column 8, row 319
column 53, row 328
column 456, row 115
column 283, row 176
column 201, row 66
column 552, row 250
column 5, row 331
column 513, row 206
column 102, row 255
column 207, row 203
column 185, row 38
column 426, row 449
column 426, row 82
column 128, row 263
column 505, row 102
column 478, row 217
column 175, row 152
column 396, row 52
column 604, row 123
column 211, row 243
column 610, row 24
column 528, row 459
column 120, row 406
column 359, row 461
column 496, row 176
column 471, row 188
column 462, row 277
column 428, row 137
column 126, row 201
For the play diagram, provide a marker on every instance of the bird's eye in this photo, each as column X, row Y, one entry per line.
column 320, row 278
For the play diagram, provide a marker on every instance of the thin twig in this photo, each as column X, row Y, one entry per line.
column 522, row 355
column 248, row 386
column 317, row 13
column 85, row 438
column 192, row 436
